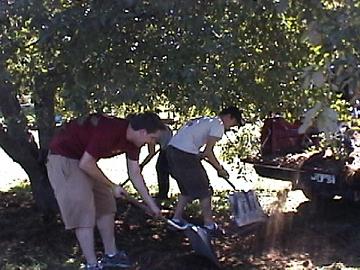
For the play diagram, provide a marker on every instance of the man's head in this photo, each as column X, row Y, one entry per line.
column 146, row 128
column 231, row 116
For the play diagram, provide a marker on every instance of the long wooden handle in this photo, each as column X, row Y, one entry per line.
column 282, row 168
column 227, row 180
column 127, row 180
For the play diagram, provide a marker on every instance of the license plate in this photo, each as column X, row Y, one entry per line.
column 323, row 178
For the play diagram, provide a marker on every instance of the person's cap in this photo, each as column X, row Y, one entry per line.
column 235, row 113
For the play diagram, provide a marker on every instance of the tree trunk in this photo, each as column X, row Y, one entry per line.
column 20, row 145
column 44, row 109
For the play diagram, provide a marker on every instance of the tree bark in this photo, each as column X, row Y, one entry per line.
column 19, row 144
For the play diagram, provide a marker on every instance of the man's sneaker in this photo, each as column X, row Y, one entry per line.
column 91, row 267
column 178, row 224
column 214, row 230
column 120, row 259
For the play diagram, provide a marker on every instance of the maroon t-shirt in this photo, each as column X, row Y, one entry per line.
column 100, row 135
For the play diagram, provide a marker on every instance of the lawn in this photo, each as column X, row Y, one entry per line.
column 289, row 240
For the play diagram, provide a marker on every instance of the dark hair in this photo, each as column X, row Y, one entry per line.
column 234, row 113
column 149, row 121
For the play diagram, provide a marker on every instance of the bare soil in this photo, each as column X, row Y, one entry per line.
column 322, row 236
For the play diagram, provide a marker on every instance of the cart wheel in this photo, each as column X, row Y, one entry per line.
column 319, row 201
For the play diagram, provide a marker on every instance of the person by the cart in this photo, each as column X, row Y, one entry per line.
column 184, row 159
column 85, row 195
column 162, row 167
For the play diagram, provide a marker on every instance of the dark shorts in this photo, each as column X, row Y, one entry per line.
column 189, row 173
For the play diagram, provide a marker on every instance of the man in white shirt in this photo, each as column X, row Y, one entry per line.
column 185, row 166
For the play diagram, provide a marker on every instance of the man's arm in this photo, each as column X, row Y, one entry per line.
column 89, row 165
column 139, row 183
column 209, row 155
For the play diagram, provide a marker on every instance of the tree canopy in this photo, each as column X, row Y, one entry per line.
column 97, row 55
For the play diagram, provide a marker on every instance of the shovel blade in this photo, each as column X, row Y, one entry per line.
column 201, row 243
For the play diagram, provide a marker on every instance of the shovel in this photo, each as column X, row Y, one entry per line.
column 246, row 209
column 201, row 243
column 198, row 237
column 127, row 180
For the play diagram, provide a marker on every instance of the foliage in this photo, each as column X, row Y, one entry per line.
column 335, row 50
column 242, row 144
column 100, row 54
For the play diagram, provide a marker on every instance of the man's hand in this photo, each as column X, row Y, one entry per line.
column 154, row 209
column 119, row 192
column 223, row 173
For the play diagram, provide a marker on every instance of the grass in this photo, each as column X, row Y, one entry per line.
column 302, row 240
column 27, row 243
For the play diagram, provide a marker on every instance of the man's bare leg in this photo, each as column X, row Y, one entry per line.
column 85, row 236
column 206, row 211
column 105, row 225
column 182, row 203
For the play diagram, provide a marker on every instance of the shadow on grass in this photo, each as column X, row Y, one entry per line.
column 26, row 242
column 304, row 240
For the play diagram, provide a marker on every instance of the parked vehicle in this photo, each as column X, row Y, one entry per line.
column 318, row 175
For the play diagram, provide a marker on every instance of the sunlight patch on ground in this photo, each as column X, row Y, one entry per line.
column 294, row 261
column 282, row 201
column 115, row 168
column 11, row 172
column 294, row 199
column 274, row 195
column 277, row 195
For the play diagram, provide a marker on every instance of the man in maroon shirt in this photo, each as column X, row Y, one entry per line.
column 85, row 195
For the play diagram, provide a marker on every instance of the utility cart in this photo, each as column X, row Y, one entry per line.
column 319, row 176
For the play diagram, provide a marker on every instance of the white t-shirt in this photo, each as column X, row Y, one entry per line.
column 195, row 133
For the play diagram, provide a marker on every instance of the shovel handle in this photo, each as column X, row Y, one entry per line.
column 138, row 204
column 230, row 183
column 227, row 180
column 127, row 180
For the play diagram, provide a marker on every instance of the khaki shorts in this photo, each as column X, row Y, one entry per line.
column 81, row 199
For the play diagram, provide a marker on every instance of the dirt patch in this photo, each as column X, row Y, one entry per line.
column 325, row 236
